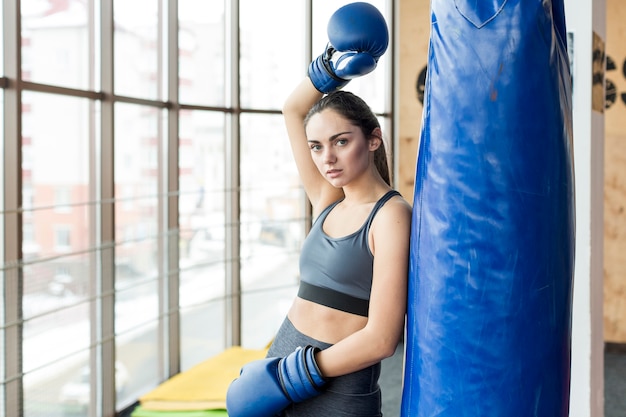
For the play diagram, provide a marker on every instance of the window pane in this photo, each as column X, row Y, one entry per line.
column 202, row 233
column 55, row 43
column 53, row 122
column 370, row 87
column 137, row 236
column 202, row 55
column 272, row 205
column 272, row 55
column 66, row 392
column 137, row 71
column 137, row 365
column 202, row 332
column 57, row 242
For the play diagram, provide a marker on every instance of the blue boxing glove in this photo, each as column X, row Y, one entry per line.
column 358, row 37
column 267, row 386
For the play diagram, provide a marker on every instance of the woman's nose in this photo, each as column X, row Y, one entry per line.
column 329, row 155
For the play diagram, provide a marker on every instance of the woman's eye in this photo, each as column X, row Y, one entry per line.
column 315, row 148
column 342, row 142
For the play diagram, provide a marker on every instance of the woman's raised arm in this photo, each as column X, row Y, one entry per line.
column 295, row 109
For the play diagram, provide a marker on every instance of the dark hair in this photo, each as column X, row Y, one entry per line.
column 356, row 110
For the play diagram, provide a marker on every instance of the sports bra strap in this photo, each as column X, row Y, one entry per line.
column 379, row 204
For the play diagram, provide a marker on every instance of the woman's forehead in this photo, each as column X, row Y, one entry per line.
column 328, row 119
column 329, row 128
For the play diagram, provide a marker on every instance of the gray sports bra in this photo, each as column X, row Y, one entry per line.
column 337, row 272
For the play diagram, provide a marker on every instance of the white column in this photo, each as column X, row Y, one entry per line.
column 586, row 22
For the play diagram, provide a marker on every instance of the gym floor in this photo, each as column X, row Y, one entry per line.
column 391, row 384
column 614, row 383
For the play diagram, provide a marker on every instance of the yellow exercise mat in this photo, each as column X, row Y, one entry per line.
column 141, row 412
column 202, row 387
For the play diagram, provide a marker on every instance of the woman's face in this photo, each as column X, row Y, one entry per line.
column 339, row 149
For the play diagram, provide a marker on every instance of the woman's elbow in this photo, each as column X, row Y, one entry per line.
column 387, row 347
column 391, row 350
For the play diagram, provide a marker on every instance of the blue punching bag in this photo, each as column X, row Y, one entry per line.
column 492, row 243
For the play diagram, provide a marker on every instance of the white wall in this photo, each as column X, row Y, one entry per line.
column 584, row 17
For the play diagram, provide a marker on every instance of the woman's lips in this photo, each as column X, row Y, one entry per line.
column 333, row 173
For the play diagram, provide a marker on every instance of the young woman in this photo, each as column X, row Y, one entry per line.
column 349, row 313
column 357, row 250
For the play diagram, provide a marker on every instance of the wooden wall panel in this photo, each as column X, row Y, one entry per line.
column 413, row 45
column 615, row 175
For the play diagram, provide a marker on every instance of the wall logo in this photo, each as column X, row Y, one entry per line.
column 612, row 95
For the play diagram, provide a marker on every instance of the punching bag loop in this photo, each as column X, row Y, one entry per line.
column 480, row 12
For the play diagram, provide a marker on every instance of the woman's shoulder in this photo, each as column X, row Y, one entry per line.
column 396, row 210
column 391, row 228
column 396, row 200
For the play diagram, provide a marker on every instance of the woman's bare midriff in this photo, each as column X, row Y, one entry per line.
column 324, row 323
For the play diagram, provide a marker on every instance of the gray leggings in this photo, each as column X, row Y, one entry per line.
column 353, row 395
